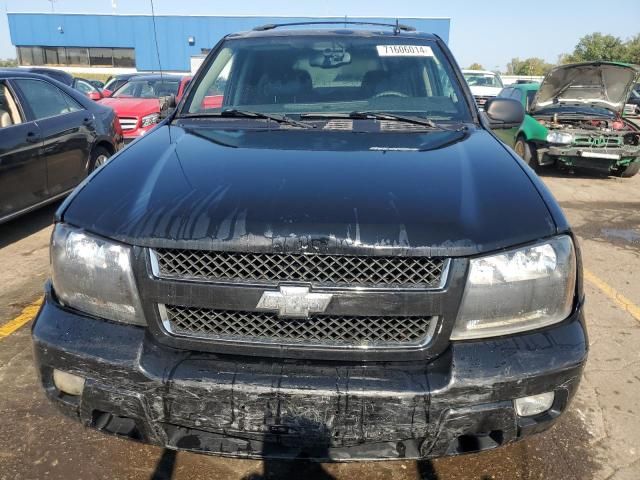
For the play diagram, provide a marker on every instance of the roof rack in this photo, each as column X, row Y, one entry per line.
column 397, row 27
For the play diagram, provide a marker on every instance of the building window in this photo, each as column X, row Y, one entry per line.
column 77, row 56
column 124, row 58
column 101, row 57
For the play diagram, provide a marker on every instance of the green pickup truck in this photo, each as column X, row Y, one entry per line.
column 574, row 118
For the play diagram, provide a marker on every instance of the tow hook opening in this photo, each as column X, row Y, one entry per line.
column 115, row 424
column 477, row 442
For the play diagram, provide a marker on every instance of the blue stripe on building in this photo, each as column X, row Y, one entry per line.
column 136, row 31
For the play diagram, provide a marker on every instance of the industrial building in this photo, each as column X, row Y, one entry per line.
column 127, row 42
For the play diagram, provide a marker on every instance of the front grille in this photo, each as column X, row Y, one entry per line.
column 481, row 100
column 338, row 270
column 321, row 330
column 128, row 123
column 598, row 141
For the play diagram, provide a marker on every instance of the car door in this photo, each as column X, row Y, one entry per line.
column 23, row 171
column 67, row 129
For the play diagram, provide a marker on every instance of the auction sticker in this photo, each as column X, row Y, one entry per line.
column 404, row 51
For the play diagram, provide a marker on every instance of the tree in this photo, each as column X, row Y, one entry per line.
column 8, row 62
column 597, row 46
column 632, row 47
column 476, row 66
column 528, row 66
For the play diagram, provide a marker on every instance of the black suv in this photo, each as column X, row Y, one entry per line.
column 323, row 252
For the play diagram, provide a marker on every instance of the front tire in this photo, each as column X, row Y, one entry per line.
column 630, row 170
column 99, row 157
column 527, row 152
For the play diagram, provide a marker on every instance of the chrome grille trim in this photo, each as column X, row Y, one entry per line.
column 598, row 141
column 128, row 123
column 335, row 331
column 332, row 271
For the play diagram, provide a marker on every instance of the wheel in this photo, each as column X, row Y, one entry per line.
column 527, row 152
column 99, row 157
column 630, row 170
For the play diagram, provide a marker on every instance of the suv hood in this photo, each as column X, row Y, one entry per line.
column 284, row 190
column 594, row 84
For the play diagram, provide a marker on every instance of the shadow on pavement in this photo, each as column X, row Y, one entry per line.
column 165, row 466
column 27, row 224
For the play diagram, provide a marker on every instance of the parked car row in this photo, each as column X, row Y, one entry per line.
column 137, row 101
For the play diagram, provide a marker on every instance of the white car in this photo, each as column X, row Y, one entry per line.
column 484, row 85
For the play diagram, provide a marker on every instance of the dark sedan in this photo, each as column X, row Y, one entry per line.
column 87, row 87
column 51, row 138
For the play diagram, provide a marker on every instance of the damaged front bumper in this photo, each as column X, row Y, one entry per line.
column 593, row 158
column 268, row 408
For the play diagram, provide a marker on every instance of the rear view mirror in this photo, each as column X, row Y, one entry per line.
column 504, row 113
column 167, row 105
column 330, row 58
column 95, row 96
column 106, row 93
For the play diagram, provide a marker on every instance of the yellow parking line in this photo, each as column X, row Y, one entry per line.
column 27, row 314
column 622, row 301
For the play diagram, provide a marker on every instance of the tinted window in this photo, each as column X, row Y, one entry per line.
column 9, row 111
column 73, row 56
column 505, row 93
column 530, row 96
column 77, row 56
column 84, row 87
column 124, row 57
column 148, row 89
column 331, row 74
column 101, row 57
column 480, row 79
column 46, row 100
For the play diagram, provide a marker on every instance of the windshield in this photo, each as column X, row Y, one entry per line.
column 330, row 75
column 477, row 79
column 148, row 89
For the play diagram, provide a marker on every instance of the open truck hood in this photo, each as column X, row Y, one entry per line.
column 593, row 84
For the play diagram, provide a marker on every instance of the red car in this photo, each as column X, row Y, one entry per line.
column 137, row 102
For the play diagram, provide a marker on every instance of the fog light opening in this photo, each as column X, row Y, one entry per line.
column 68, row 383
column 534, row 404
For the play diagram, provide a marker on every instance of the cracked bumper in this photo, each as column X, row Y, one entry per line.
column 247, row 407
column 599, row 159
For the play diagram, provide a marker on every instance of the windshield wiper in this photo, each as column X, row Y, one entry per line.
column 235, row 113
column 365, row 115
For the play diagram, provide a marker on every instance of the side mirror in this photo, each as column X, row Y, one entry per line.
column 95, row 96
column 504, row 113
column 106, row 93
column 167, row 105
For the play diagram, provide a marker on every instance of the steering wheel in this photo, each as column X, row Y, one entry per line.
column 390, row 93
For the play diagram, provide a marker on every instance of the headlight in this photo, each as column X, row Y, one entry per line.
column 518, row 290
column 560, row 138
column 149, row 120
column 94, row 275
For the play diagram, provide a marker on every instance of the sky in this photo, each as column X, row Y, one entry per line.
column 490, row 32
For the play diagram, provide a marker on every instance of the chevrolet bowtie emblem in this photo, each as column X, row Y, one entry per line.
column 294, row 302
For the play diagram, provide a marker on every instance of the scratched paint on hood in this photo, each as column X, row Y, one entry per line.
column 293, row 190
